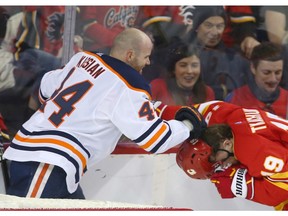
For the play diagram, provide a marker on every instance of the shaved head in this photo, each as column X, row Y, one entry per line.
column 133, row 47
column 130, row 38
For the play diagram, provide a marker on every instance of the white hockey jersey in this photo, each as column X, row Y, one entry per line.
column 87, row 106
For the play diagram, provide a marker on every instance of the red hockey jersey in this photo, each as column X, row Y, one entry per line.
column 260, row 143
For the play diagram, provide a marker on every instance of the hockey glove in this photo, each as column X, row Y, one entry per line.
column 234, row 182
column 192, row 119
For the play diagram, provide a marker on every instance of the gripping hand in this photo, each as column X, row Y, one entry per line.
column 234, row 182
column 192, row 119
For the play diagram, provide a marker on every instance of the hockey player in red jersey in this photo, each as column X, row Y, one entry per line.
column 252, row 146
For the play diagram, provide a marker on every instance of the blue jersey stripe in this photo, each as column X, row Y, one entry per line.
column 163, row 140
column 148, row 132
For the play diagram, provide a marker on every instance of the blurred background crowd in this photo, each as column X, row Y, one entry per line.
column 233, row 53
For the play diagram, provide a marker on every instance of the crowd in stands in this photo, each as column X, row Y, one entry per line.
column 201, row 53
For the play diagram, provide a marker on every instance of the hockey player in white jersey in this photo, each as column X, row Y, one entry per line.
column 86, row 107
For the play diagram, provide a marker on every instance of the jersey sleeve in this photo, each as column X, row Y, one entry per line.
column 137, row 120
column 269, row 193
column 52, row 80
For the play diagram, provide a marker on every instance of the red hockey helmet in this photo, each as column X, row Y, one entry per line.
column 192, row 158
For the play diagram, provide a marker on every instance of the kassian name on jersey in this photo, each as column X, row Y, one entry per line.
column 91, row 66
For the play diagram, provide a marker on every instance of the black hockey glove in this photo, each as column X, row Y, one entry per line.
column 194, row 117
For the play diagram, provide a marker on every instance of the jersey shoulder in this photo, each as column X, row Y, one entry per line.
column 130, row 76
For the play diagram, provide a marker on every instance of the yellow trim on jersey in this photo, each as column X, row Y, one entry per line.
column 281, row 206
column 37, row 37
column 243, row 19
column 156, row 19
column 279, row 184
column 22, row 37
column 280, row 176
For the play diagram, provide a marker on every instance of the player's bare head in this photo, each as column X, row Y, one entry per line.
column 132, row 45
column 130, row 38
column 214, row 135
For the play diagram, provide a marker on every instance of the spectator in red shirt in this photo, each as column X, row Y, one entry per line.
column 263, row 90
column 183, row 84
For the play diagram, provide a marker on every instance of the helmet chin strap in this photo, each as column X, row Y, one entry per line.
column 230, row 154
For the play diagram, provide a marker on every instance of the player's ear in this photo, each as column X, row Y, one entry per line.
column 228, row 144
column 129, row 55
column 252, row 69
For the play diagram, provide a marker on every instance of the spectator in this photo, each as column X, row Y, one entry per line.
column 240, row 32
column 37, row 49
column 39, row 42
column 163, row 24
column 183, row 84
column 14, row 83
column 263, row 91
column 4, row 16
column 222, row 68
column 7, row 79
column 276, row 22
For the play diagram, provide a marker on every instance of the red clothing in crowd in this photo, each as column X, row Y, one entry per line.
column 41, row 28
column 245, row 98
column 161, row 93
column 176, row 14
column 102, row 23
column 241, row 23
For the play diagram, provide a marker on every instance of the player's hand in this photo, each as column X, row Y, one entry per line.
column 196, row 122
column 234, row 182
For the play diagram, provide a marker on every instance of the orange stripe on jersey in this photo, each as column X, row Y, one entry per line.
column 39, row 180
column 54, row 141
column 117, row 74
column 155, row 137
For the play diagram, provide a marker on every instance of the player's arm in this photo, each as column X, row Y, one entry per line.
column 49, row 83
column 137, row 119
column 53, row 80
column 235, row 181
column 189, row 115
